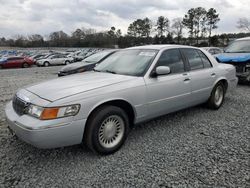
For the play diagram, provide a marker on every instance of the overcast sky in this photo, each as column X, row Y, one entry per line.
column 44, row 16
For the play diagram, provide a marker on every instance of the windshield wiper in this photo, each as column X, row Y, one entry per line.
column 238, row 51
column 95, row 70
column 109, row 71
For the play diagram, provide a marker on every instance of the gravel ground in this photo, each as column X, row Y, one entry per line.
column 196, row 147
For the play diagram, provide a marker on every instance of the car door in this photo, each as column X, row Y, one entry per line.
column 202, row 74
column 62, row 59
column 168, row 93
column 53, row 59
column 11, row 62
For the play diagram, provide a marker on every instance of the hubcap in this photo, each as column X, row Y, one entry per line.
column 218, row 96
column 111, row 131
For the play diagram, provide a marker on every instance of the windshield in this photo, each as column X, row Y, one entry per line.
column 96, row 57
column 132, row 62
column 242, row 46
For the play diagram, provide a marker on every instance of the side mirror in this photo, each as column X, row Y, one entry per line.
column 162, row 70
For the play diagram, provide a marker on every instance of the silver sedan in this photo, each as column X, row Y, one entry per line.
column 133, row 85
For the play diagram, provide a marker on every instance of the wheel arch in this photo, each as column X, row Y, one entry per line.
column 121, row 103
column 223, row 80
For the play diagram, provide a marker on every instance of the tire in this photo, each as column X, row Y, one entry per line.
column 46, row 64
column 25, row 65
column 217, row 96
column 67, row 62
column 106, row 130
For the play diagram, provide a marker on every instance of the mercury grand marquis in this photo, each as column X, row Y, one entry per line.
column 99, row 108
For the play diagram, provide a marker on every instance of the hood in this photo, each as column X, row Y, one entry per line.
column 71, row 85
column 74, row 66
column 233, row 57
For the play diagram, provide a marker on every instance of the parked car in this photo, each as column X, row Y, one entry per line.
column 14, row 62
column 133, row 85
column 86, row 65
column 238, row 54
column 57, row 59
column 37, row 56
column 213, row 50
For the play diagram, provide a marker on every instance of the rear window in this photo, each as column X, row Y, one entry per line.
column 193, row 58
column 204, row 59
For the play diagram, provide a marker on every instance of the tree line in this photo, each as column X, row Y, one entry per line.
column 198, row 22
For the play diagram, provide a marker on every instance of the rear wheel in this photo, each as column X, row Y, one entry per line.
column 46, row 64
column 25, row 65
column 107, row 129
column 217, row 96
column 67, row 62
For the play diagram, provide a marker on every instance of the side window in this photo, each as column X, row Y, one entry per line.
column 172, row 58
column 205, row 60
column 217, row 51
column 211, row 51
column 193, row 58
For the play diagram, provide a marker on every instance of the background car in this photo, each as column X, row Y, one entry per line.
column 213, row 50
column 58, row 59
column 238, row 54
column 87, row 64
column 14, row 62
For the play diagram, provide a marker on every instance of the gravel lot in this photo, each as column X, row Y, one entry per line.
column 196, row 147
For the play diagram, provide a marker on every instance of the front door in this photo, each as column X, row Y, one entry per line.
column 168, row 93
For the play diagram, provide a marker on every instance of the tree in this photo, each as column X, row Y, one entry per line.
column 199, row 21
column 59, row 38
column 162, row 25
column 118, row 33
column 177, row 28
column 212, row 20
column 132, row 31
column 140, row 28
column 78, row 34
column 146, row 27
column 111, row 32
column 244, row 24
column 195, row 20
column 188, row 22
column 36, row 40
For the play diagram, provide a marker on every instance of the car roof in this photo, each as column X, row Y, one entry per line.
column 245, row 38
column 161, row 47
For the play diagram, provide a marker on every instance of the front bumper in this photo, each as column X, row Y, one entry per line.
column 243, row 76
column 45, row 134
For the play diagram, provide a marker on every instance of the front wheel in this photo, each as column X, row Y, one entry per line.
column 46, row 64
column 67, row 62
column 217, row 96
column 107, row 129
column 25, row 65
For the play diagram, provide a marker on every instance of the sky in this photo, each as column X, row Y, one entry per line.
column 43, row 17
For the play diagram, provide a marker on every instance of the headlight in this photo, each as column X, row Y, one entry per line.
column 53, row 112
column 81, row 70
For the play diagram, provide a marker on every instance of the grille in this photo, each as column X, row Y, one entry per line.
column 239, row 69
column 18, row 105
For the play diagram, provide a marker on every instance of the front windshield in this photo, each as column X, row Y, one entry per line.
column 242, row 46
column 96, row 57
column 132, row 62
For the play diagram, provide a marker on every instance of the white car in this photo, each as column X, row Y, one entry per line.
column 57, row 59
column 130, row 86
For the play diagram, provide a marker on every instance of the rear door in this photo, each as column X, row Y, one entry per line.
column 54, row 59
column 202, row 74
column 168, row 93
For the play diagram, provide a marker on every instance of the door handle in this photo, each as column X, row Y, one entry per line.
column 213, row 74
column 187, row 79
